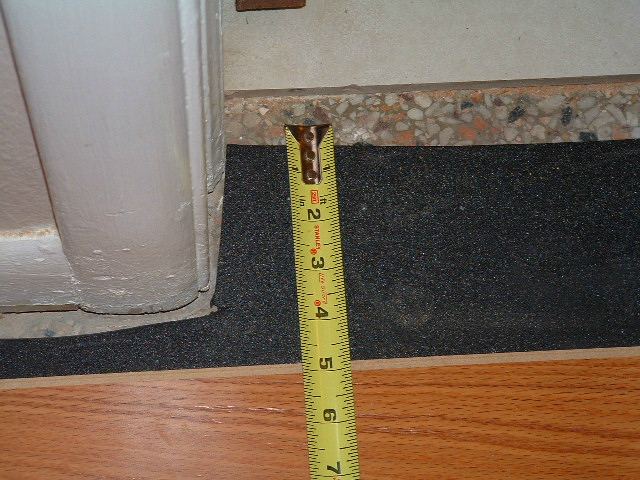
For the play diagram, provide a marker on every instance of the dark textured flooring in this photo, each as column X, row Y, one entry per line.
column 447, row 251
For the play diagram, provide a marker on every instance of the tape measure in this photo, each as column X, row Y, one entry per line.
column 322, row 305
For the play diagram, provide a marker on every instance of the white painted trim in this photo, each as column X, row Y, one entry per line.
column 33, row 269
column 213, row 74
column 195, row 99
column 115, row 113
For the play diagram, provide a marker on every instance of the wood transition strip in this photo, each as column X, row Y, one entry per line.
column 285, row 369
column 535, row 417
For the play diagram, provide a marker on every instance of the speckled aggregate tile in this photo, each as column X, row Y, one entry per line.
column 406, row 115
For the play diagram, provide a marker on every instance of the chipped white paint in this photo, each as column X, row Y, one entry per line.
column 114, row 102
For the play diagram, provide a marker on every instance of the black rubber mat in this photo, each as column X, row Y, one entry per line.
column 447, row 251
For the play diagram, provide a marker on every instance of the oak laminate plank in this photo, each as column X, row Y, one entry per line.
column 543, row 420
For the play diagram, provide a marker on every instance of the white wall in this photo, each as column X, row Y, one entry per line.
column 381, row 42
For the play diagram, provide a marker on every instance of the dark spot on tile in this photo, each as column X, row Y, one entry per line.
column 466, row 104
column 567, row 115
column 515, row 114
column 382, row 125
column 497, row 102
column 525, row 100
column 588, row 137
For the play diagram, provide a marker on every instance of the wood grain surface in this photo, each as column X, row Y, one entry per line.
column 542, row 420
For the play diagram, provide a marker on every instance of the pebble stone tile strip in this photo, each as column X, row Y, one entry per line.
column 422, row 116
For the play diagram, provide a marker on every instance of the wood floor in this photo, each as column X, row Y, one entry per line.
column 553, row 419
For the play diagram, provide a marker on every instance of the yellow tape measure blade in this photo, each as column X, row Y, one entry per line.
column 322, row 306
